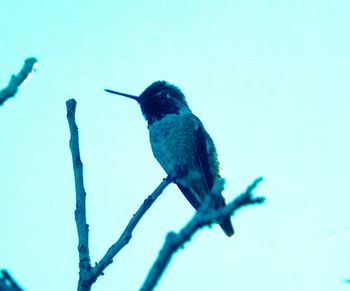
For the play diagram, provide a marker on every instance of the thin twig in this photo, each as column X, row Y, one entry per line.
column 203, row 217
column 80, row 211
column 17, row 80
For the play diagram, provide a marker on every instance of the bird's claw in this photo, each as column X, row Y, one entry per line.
column 180, row 170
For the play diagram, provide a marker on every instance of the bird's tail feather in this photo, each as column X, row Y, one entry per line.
column 191, row 196
column 227, row 227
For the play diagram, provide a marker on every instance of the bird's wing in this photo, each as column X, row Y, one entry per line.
column 206, row 153
column 208, row 160
column 205, row 150
column 191, row 197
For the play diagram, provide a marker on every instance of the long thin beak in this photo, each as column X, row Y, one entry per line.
column 123, row 94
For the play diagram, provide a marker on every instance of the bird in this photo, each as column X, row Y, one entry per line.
column 182, row 146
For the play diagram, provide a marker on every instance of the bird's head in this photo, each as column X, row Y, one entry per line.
column 158, row 99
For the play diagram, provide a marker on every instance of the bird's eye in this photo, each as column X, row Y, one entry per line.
column 158, row 96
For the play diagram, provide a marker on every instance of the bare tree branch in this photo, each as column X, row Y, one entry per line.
column 87, row 274
column 203, row 217
column 17, row 80
column 80, row 211
column 7, row 283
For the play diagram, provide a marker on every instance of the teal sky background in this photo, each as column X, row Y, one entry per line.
column 269, row 79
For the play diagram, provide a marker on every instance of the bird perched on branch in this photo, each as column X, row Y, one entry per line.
column 182, row 146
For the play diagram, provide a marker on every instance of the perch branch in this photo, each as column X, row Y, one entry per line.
column 17, row 80
column 203, row 217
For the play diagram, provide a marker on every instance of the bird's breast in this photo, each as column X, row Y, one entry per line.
column 172, row 142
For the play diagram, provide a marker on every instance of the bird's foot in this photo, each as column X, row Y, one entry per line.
column 180, row 170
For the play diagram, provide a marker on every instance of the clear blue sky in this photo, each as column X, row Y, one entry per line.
column 269, row 79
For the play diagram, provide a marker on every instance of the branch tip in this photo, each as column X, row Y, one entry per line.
column 71, row 104
column 16, row 81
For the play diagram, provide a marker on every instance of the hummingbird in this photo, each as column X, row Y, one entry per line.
column 181, row 145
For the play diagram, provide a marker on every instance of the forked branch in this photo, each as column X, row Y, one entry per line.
column 88, row 274
column 203, row 217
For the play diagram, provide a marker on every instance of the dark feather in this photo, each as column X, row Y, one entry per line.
column 225, row 224
column 200, row 143
column 227, row 227
column 155, row 102
column 190, row 196
column 203, row 144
